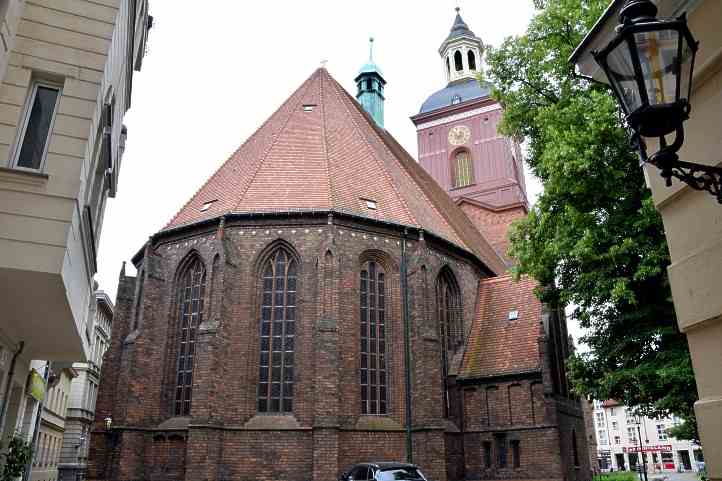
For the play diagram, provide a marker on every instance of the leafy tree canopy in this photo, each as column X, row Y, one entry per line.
column 594, row 234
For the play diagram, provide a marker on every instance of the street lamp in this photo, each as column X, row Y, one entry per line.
column 649, row 65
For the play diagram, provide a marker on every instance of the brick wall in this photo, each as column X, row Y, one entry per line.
column 494, row 225
column 226, row 439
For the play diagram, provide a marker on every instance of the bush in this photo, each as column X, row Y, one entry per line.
column 618, row 476
column 18, row 456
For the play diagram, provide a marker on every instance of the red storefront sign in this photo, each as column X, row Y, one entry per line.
column 648, row 448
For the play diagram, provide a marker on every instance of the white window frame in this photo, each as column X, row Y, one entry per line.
column 26, row 119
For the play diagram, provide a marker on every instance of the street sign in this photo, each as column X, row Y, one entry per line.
column 648, row 448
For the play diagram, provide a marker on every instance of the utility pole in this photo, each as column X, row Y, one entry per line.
column 641, row 452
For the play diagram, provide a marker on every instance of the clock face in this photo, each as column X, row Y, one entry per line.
column 459, row 135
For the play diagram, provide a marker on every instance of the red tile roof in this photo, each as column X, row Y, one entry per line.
column 332, row 156
column 497, row 345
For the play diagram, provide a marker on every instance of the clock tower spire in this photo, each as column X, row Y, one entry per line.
column 459, row 144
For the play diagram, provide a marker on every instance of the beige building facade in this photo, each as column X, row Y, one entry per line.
column 66, row 69
column 692, row 219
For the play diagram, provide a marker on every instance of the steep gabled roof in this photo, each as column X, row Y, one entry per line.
column 320, row 151
column 498, row 346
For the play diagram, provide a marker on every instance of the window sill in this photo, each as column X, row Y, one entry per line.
column 377, row 422
column 22, row 176
column 462, row 187
column 275, row 422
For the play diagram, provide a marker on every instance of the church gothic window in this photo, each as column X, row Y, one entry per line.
column 373, row 339
column 472, row 60
column 462, row 169
column 458, row 62
column 191, row 293
column 278, row 333
column 448, row 305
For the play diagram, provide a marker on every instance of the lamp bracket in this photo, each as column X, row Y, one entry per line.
column 698, row 176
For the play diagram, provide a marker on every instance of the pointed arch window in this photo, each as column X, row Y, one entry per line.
column 448, row 305
column 191, row 294
column 278, row 333
column 458, row 61
column 471, row 59
column 448, row 67
column 462, row 169
column 373, row 339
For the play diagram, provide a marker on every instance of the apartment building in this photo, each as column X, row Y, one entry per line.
column 66, row 71
column 52, row 425
column 621, row 436
column 83, row 394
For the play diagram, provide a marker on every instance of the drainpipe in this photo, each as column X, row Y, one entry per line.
column 36, row 429
column 8, row 385
column 407, row 347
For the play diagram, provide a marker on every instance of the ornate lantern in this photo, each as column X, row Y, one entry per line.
column 649, row 65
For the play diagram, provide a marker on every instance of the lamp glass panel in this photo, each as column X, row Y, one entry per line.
column 686, row 70
column 620, row 71
column 658, row 57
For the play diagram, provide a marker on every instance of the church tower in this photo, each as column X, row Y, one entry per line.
column 370, row 88
column 459, row 144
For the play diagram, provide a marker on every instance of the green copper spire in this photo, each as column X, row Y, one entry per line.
column 370, row 83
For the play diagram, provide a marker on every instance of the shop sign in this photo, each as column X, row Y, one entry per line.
column 648, row 448
column 36, row 385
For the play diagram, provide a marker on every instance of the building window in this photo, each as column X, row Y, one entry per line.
column 373, row 339
column 472, row 59
column 615, row 425
column 487, row 454
column 278, row 334
column 36, row 127
column 612, row 412
column 661, row 432
column 600, row 419
column 500, row 450
column 369, row 84
column 458, row 63
column 516, row 453
column 617, row 440
column 463, row 172
column 448, row 67
column 448, row 305
column 602, row 435
column 632, row 435
column 575, row 450
column 192, row 286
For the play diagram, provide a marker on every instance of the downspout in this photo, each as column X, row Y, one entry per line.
column 8, row 385
column 36, row 429
column 407, row 347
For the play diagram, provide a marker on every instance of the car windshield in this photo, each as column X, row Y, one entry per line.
column 395, row 474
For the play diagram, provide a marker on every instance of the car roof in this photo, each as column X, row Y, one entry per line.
column 390, row 465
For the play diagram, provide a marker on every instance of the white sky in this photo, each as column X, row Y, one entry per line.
column 212, row 75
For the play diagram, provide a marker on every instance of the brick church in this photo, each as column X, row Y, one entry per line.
column 325, row 299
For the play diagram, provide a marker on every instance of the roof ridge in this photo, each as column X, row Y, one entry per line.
column 305, row 86
column 325, row 143
column 233, row 155
column 339, row 91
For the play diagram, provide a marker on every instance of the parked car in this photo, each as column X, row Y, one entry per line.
column 383, row 471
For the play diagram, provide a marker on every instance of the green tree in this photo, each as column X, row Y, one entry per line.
column 594, row 234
